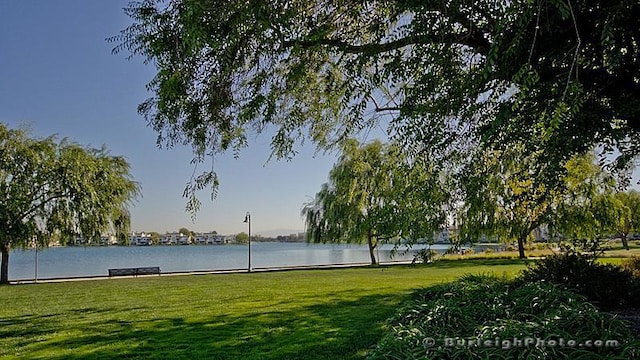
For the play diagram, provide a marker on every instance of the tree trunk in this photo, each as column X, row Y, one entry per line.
column 521, row 240
column 625, row 241
column 372, row 247
column 4, row 266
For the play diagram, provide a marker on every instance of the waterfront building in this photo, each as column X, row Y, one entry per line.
column 210, row 239
column 108, row 239
column 141, row 239
column 170, row 238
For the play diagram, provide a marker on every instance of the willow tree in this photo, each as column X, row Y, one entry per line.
column 627, row 220
column 604, row 213
column 376, row 193
column 58, row 189
column 587, row 209
column 559, row 76
column 503, row 197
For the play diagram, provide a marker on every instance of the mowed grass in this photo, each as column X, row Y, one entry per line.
column 310, row 314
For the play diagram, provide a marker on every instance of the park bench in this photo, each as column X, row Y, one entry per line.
column 150, row 270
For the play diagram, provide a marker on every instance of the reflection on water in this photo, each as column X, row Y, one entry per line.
column 88, row 261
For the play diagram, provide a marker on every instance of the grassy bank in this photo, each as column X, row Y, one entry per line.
column 315, row 314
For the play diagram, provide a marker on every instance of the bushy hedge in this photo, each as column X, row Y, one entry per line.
column 607, row 286
column 482, row 308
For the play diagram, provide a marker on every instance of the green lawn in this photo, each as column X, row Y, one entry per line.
column 311, row 314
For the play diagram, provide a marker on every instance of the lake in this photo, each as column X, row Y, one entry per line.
column 62, row 262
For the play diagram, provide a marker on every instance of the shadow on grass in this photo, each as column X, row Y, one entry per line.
column 341, row 329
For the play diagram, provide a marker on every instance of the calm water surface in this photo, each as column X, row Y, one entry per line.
column 90, row 261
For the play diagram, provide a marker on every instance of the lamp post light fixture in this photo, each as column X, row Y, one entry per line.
column 247, row 219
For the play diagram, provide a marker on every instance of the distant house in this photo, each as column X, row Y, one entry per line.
column 184, row 239
column 108, row 239
column 443, row 236
column 141, row 239
column 170, row 238
column 176, row 238
column 221, row 239
column 209, row 239
column 81, row 240
column 541, row 233
column 201, row 239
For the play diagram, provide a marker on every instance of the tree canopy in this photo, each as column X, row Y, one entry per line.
column 376, row 193
column 186, row 232
column 242, row 237
column 445, row 77
column 51, row 188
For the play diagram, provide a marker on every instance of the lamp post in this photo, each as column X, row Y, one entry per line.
column 35, row 274
column 247, row 219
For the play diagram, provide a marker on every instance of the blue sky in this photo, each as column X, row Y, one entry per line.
column 57, row 75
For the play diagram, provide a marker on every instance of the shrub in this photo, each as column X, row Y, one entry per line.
column 542, row 246
column 536, row 246
column 476, row 308
column 607, row 286
column 424, row 256
column 632, row 265
column 590, row 248
column 511, row 247
column 453, row 249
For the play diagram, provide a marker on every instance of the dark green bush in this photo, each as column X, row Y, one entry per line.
column 607, row 286
column 478, row 308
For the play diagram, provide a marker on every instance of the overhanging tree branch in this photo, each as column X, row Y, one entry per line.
column 38, row 205
column 475, row 40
